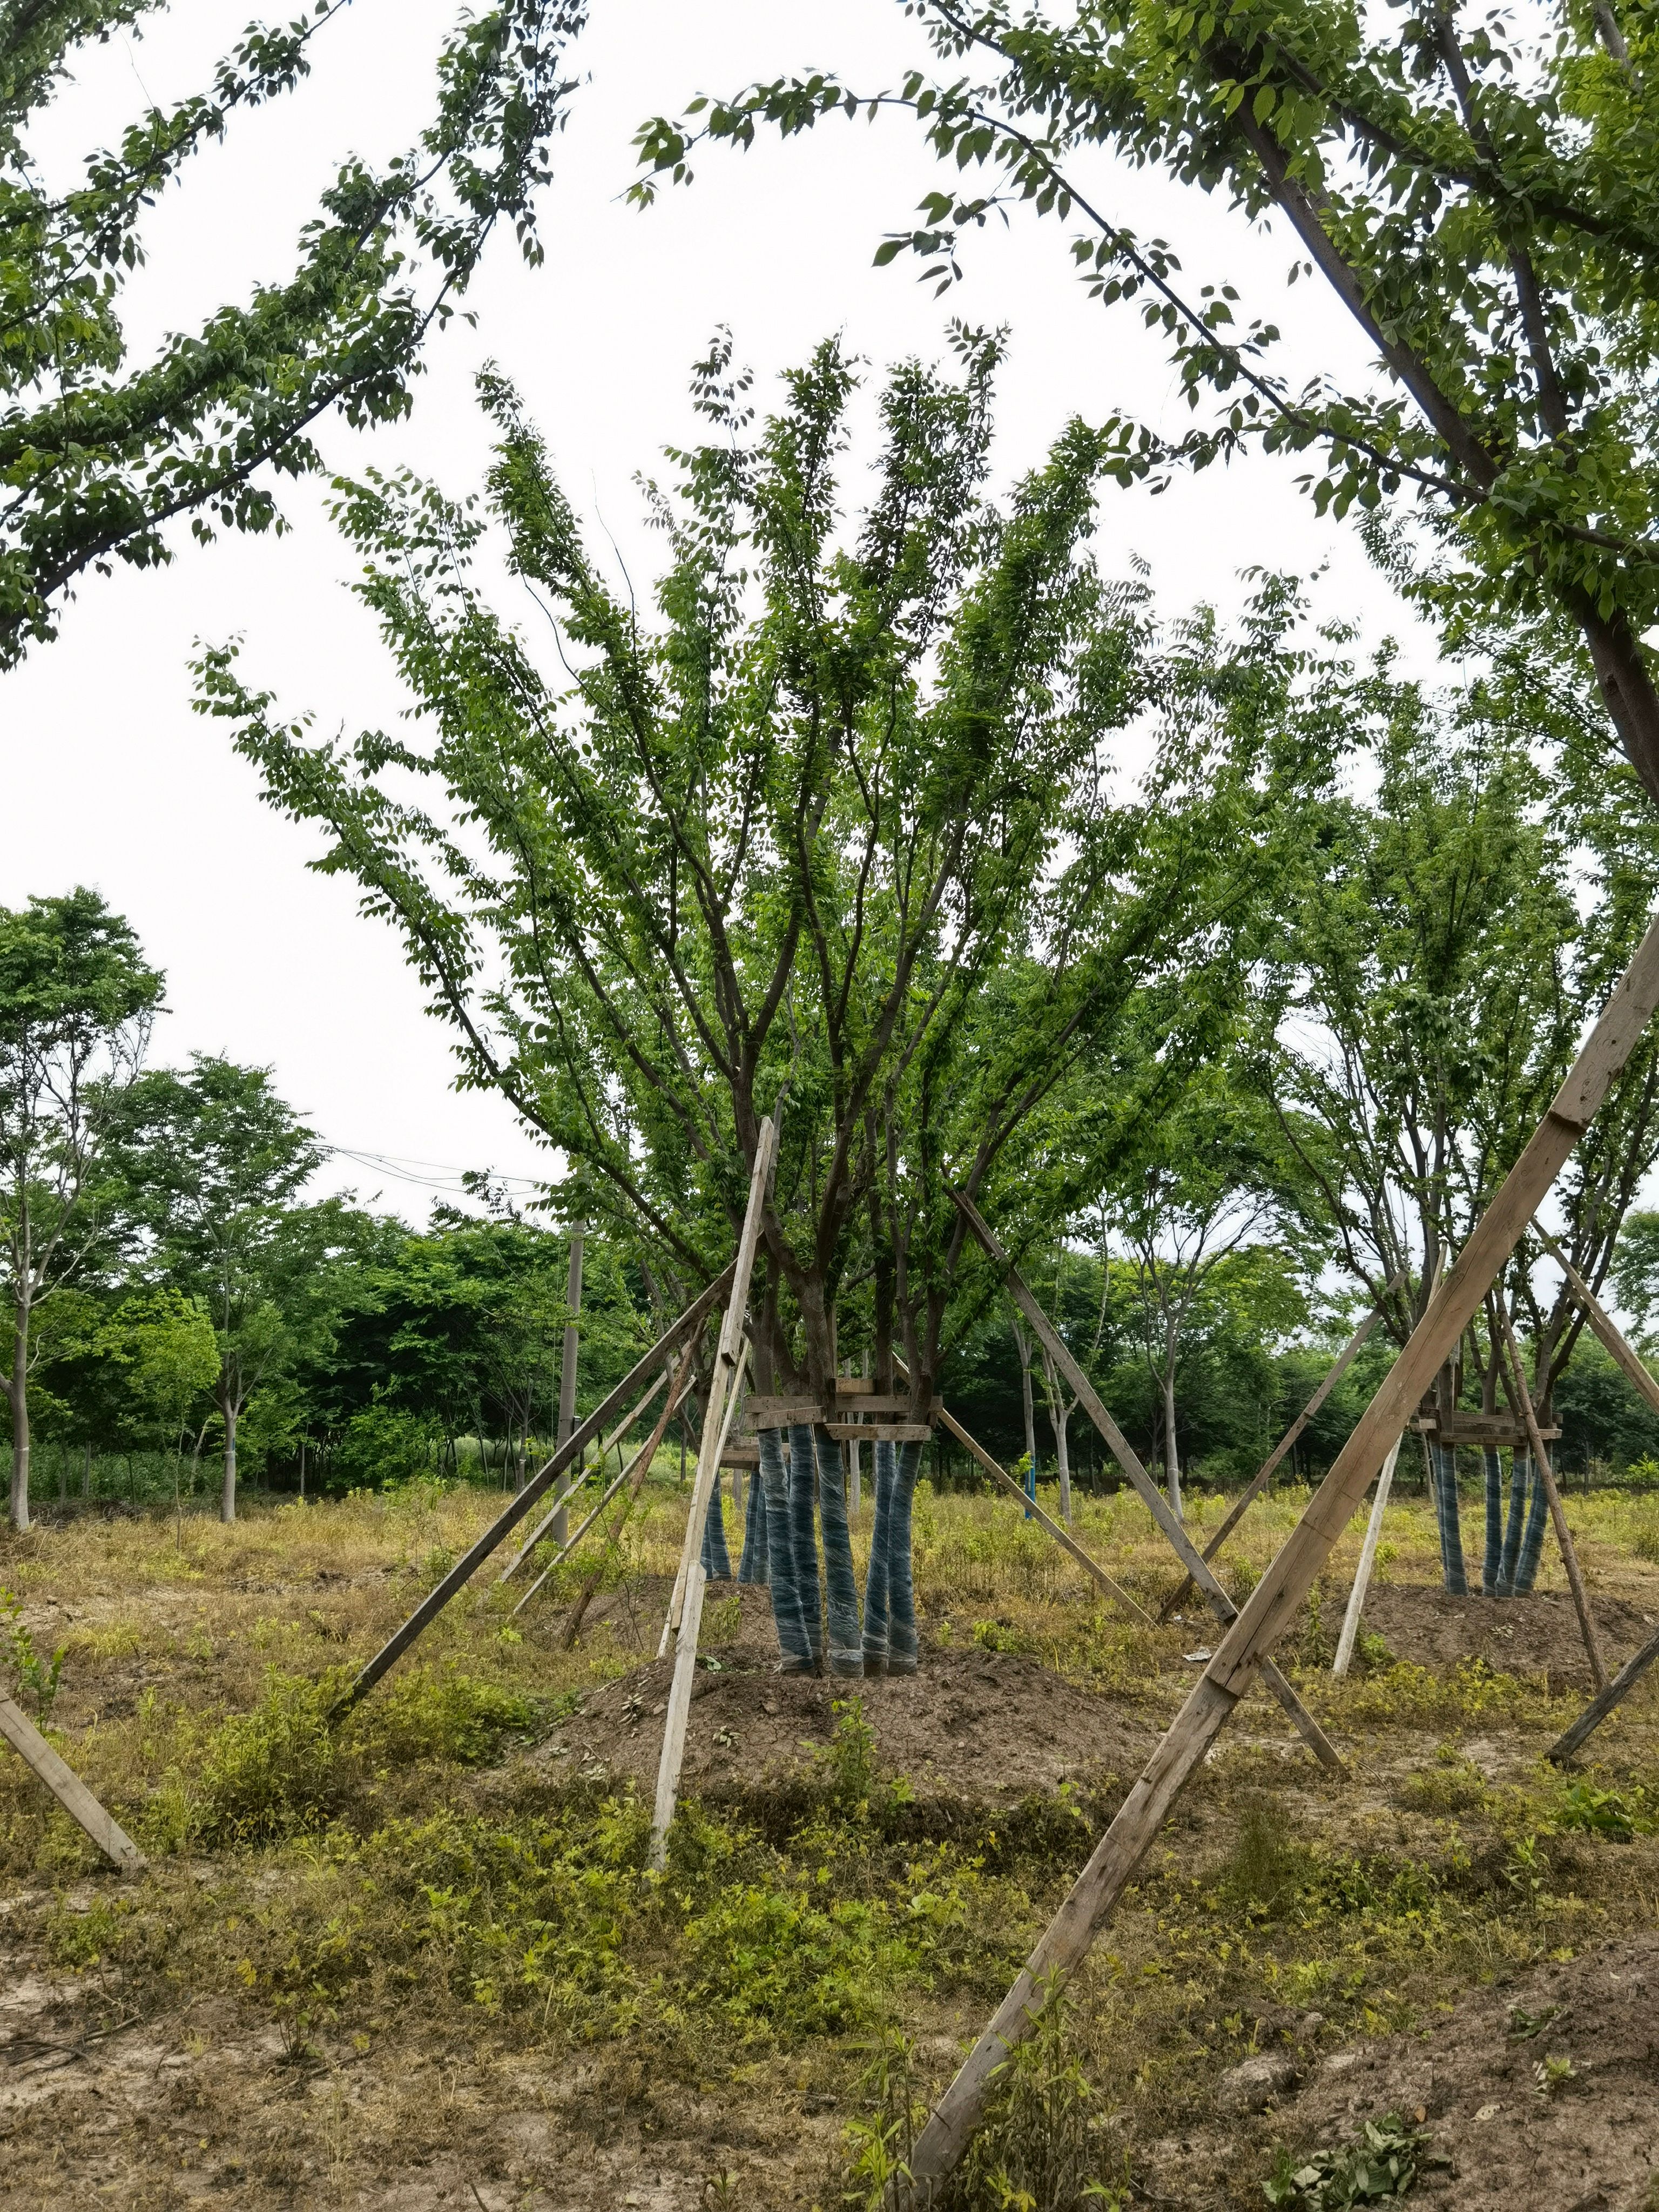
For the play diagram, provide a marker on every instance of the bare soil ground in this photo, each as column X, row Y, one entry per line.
column 1589, row 2145
column 986, row 1727
column 1535, row 1636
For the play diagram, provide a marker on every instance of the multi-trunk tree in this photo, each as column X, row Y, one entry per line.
column 835, row 832
column 1447, row 938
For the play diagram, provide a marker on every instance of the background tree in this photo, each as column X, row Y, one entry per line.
column 1196, row 1190
column 212, row 1159
column 166, row 1344
column 98, row 454
column 77, row 1004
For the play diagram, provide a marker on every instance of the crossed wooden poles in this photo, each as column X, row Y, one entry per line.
column 1273, row 1605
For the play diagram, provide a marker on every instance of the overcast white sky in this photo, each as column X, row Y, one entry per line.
column 108, row 777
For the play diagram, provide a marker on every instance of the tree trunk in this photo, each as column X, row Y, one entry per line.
column 1171, row 1461
column 558, row 1529
column 85, row 1472
column 1031, row 1415
column 227, row 1496
column 17, row 1394
column 1062, row 1458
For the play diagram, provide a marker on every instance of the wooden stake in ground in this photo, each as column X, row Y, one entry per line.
column 526, row 1499
column 1362, row 1579
column 1274, row 1603
column 722, row 1389
column 1157, row 1504
column 1517, row 1382
column 67, row 1786
column 677, row 1597
column 1264, row 1473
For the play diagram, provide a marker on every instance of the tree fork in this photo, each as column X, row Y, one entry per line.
column 1276, row 1599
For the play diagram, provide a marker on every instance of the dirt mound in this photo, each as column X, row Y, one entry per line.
column 987, row 1727
column 1530, row 1636
column 1589, row 2145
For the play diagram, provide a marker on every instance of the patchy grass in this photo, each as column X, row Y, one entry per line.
column 402, row 1955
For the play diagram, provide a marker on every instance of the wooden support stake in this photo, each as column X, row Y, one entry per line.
column 1362, row 1579
column 1264, row 1473
column 723, row 1381
column 1157, row 1504
column 1276, row 1599
column 67, row 1786
column 514, row 1511
column 1600, row 1321
column 640, row 1465
column 544, row 1525
column 1598, row 1709
column 1547, row 1475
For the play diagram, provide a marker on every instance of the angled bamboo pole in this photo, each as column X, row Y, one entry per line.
column 543, row 1527
column 1062, row 1536
column 640, row 1465
column 1598, row 1708
column 1362, row 1580
column 67, row 1786
column 640, row 1470
column 1273, row 1605
column 722, row 1399
column 1517, row 1381
column 1264, row 1473
column 1196, row 1566
column 526, row 1500
column 1633, row 1366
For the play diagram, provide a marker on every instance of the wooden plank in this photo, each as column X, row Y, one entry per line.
column 1362, row 1580
column 1599, row 1707
column 880, row 1432
column 1480, row 1429
column 1516, row 1380
column 1635, row 1368
column 67, row 1786
column 544, row 1525
column 1273, row 1604
column 784, row 1412
column 1157, row 1504
column 525, row 1501
column 1264, row 1473
column 716, row 1415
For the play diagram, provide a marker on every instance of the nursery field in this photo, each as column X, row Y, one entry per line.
column 420, row 1961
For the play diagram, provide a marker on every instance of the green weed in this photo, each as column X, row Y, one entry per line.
column 37, row 1677
column 1384, row 2162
